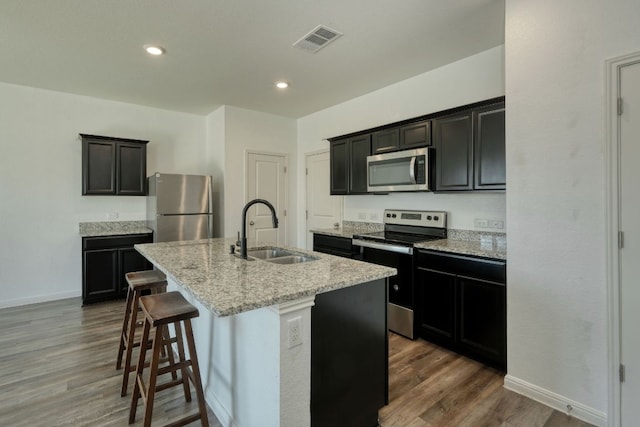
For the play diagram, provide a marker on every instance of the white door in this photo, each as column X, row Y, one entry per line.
column 266, row 180
column 630, row 253
column 323, row 210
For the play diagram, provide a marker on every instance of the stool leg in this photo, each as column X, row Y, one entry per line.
column 125, row 325
column 169, row 352
column 204, row 418
column 153, row 375
column 181, row 355
column 139, row 368
column 130, row 342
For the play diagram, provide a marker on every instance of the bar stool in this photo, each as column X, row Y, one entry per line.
column 140, row 282
column 161, row 310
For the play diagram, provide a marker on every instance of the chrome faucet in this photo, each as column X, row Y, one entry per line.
column 243, row 237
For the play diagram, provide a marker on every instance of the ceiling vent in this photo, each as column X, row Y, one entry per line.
column 318, row 38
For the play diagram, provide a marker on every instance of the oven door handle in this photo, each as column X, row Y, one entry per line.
column 383, row 246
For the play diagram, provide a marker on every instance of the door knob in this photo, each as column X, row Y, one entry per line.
column 251, row 223
column 336, row 225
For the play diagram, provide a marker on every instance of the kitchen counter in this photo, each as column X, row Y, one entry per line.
column 254, row 332
column 113, row 228
column 228, row 285
column 464, row 242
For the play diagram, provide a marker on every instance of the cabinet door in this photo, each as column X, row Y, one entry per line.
column 453, row 139
column 130, row 260
column 339, row 165
column 100, row 275
column 131, row 169
column 385, row 140
column 359, row 149
column 99, row 164
column 489, row 146
column 436, row 308
column 415, row 135
column 482, row 323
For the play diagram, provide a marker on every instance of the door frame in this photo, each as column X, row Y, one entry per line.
column 612, row 218
column 306, row 193
column 249, row 151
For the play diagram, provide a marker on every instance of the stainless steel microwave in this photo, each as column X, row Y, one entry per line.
column 406, row 170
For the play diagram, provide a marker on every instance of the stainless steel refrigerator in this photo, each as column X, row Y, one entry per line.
column 179, row 207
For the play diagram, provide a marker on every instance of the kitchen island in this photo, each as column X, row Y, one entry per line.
column 276, row 340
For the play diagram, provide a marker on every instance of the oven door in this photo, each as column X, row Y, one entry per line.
column 400, row 308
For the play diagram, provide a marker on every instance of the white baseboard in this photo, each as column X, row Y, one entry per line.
column 40, row 298
column 556, row 401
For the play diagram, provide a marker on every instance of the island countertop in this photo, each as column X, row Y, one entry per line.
column 228, row 285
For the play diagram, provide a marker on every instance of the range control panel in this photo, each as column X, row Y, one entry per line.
column 418, row 218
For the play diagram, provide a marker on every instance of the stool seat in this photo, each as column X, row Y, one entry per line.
column 141, row 280
column 165, row 308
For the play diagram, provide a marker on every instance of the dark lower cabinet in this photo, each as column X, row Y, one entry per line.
column 105, row 261
column 461, row 304
column 349, row 356
column 334, row 245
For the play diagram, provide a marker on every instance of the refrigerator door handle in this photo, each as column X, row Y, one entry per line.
column 210, row 226
column 210, row 216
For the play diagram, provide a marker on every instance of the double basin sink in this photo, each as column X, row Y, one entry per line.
column 279, row 256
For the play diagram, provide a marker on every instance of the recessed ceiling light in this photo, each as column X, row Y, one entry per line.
column 154, row 50
column 282, row 85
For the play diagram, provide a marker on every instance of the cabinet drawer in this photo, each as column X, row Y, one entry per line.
column 108, row 242
column 478, row 268
column 340, row 246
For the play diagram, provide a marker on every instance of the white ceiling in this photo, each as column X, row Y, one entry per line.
column 230, row 52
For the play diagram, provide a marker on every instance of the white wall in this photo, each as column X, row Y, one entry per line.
column 215, row 154
column 253, row 130
column 554, row 56
column 472, row 79
column 40, row 181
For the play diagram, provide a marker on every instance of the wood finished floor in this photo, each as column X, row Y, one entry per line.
column 57, row 368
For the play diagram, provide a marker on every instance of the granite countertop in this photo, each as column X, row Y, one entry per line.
column 227, row 284
column 113, row 228
column 463, row 242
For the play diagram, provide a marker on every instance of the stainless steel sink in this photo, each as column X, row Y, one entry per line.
column 293, row 259
column 268, row 253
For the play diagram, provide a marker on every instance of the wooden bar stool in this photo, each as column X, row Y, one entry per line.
column 140, row 282
column 161, row 310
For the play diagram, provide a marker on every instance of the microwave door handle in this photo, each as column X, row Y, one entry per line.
column 412, row 170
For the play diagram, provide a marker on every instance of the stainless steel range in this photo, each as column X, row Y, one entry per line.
column 393, row 247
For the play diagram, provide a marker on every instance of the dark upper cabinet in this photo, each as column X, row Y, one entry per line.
column 113, row 166
column 470, row 150
column 348, row 159
column 489, row 148
column 453, row 140
column 415, row 135
column 105, row 261
column 339, row 165
column 385, row 140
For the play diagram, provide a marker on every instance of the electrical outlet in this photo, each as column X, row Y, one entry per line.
column 294, row 327
column 480, row 223
column 496, row 223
